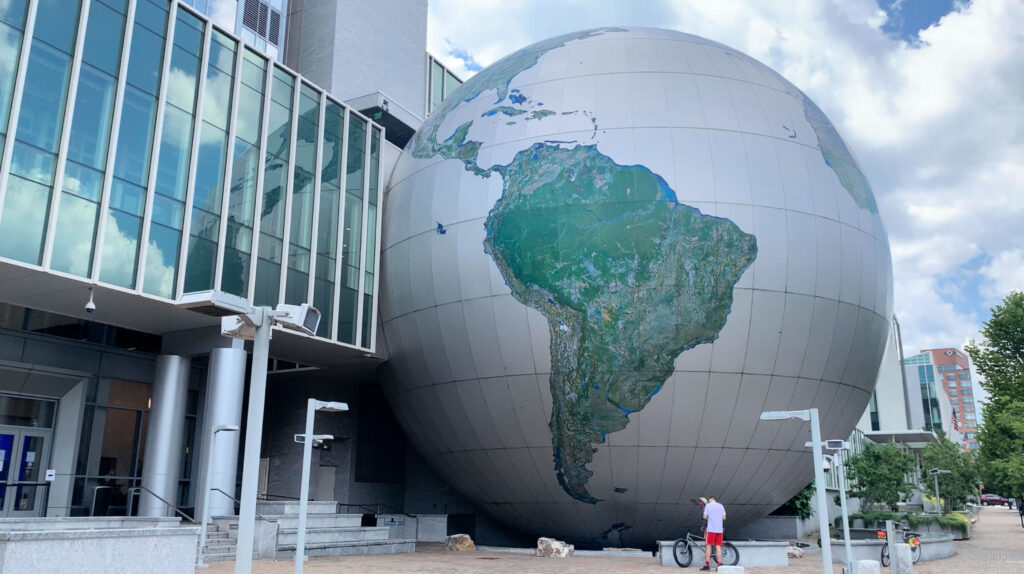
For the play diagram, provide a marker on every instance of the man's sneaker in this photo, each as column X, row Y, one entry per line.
column 706, row 567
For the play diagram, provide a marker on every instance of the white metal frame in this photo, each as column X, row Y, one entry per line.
column 19, row 91
column 376, row 246
column 261, row 162
column 50, row 231
column 115, row 134
column 362, row 244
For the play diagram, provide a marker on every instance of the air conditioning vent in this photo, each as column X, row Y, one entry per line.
column 274, row 33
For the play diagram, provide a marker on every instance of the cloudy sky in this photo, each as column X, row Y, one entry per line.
column 928, row 93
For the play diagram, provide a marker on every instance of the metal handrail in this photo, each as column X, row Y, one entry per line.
column 267, row 495
column 375, row 506
column 156, row 496
column 258, row 515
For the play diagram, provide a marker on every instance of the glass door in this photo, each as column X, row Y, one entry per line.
column 25, row 454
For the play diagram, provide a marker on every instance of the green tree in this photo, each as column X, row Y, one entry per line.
column 878, row 475
column 961, row 483
column 999, row 359
column 801, row 505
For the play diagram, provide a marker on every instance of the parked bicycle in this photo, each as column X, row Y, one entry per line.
column 904, row 535
column 690, row 544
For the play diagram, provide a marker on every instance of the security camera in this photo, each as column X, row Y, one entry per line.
column 90, row 306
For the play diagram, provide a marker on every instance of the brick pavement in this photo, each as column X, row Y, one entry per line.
column 997, row 547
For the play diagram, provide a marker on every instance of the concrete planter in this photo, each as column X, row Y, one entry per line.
column 108, row 551
column 933, row 547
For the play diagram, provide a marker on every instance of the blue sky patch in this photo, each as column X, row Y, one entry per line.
column 908, row 17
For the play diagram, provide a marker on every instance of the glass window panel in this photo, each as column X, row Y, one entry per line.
column 356, row 150
column 13, row 12
column 436, row 84
column 32, row 164
column 347, row 308
column 42, row 106
column 241, row 206
column 121, row 6
column 167, row 211
column 152, row 15
column 188, row 33
column 451, row 83
column 120, row 248
column 222, row 52
column 371, row 239
column 250, row 115
column 26, row 412
column 73, row 235
column 217, row 98
column 202, row 257
column 145, row 60
column 90, row 129
column 103, row 37
column 175, row 146
column 161, row 261
column 210, row 169
column 10, row 52
column 254, row 69
column 268, row 271
column 135, row 140
column 367, row 315
column 181, row 87
column 25, row 209
column 56, row 21
column 275, row 181
column 127, row 197
column 82, row 181
column 283, row 83
column 374, row 166
column 235, row 277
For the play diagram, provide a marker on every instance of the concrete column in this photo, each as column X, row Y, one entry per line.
column 164, row 437
column 225, row 385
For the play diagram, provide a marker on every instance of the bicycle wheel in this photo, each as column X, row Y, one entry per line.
column 885, row 555
column 730, row 554
column 682, row 552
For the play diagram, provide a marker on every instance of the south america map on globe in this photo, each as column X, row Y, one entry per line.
column 626, row 276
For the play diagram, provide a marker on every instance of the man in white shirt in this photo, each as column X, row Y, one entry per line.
column 714, row 514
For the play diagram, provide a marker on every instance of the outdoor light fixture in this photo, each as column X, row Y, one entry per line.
column 239, row 320
column 309, row 440
column 935, row 472
column 811, row 415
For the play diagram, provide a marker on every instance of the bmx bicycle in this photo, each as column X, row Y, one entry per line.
column 904, row 535
column 685, row 547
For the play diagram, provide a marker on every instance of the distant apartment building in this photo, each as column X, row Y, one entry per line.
column 953, row 373
column 939, row 410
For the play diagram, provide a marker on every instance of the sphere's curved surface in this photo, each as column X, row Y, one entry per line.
column 603, row 257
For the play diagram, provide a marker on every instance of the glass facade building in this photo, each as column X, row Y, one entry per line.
column 440, row 83
column 148, row 150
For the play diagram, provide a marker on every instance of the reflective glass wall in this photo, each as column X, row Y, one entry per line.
column 146, row 149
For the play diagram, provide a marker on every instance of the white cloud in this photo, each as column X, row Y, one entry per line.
column 938, row 124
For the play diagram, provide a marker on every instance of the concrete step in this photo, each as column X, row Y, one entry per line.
column 357, row 548
column 230, row 523
column 292, row 507
column 224, row 557
column 220, row 548
column 289, row 536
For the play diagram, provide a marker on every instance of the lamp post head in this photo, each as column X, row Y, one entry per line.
column 783, row 415
column 330, row 406
column 936, row 471
column 228, row 428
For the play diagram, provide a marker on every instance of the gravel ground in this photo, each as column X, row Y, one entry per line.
column 997, row 547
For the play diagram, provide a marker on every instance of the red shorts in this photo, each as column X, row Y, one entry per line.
column 713, row 538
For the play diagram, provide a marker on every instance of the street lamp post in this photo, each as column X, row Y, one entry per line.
column 837, row 460
column 811, row 415
column 312, row 406
column 257, row 324
column 206, row 490
column 935, row 472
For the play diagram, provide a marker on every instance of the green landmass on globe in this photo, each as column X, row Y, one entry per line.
column 626, row 276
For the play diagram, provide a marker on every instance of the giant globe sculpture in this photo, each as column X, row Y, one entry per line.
column 603, row 256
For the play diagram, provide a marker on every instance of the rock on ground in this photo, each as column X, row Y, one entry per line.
column 459, row 543
column 551, row 548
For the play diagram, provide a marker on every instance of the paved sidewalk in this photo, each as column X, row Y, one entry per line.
column 997, row 547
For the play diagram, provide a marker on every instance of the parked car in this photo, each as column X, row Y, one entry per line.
column 987, row 499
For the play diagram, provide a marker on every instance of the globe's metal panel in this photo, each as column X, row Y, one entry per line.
column 471, row 369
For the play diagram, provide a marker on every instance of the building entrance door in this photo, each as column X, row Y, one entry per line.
column 24, row 453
